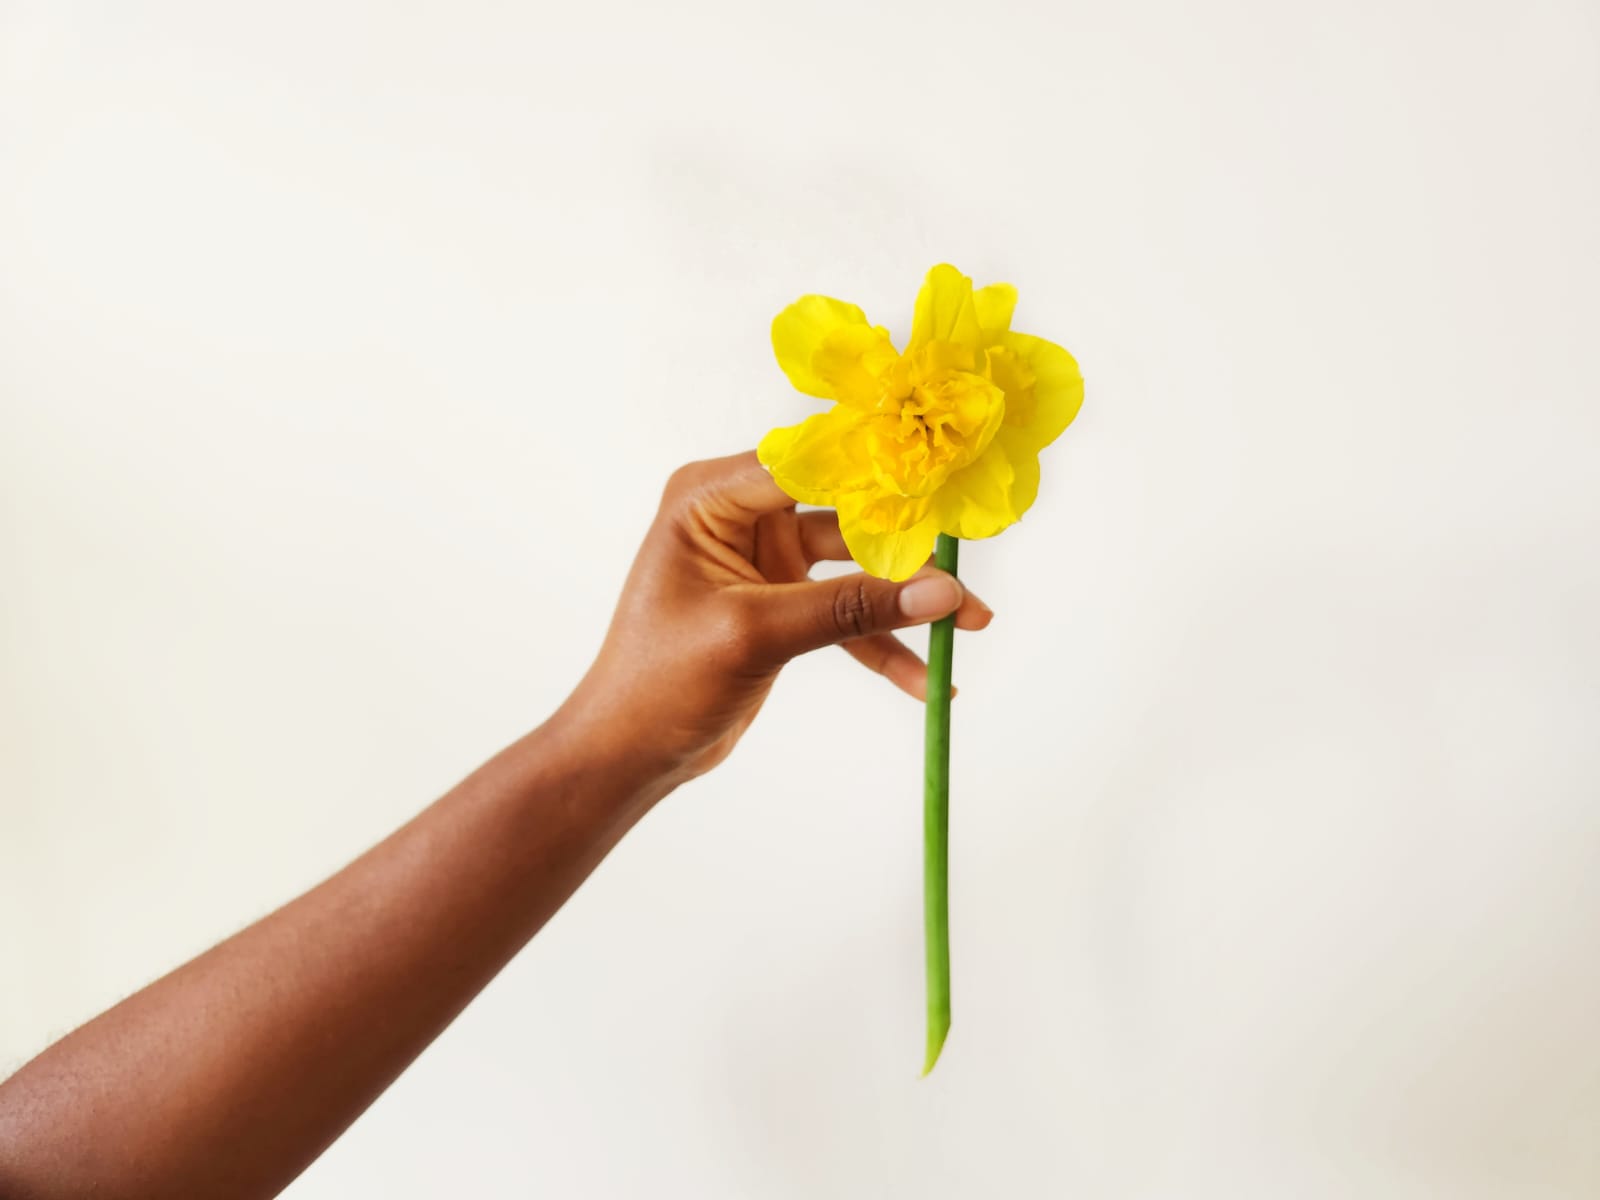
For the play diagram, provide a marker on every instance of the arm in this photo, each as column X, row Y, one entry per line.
column 231, row 1074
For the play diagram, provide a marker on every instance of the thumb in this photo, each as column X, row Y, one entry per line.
column 796, row 617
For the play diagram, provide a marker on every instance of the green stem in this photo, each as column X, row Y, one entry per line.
column 936, row 816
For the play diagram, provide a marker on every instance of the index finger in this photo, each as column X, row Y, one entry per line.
column 738, row 482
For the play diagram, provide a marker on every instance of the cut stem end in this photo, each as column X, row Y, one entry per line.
column 938, row 1030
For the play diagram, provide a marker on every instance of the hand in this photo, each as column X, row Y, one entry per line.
column 718, row 600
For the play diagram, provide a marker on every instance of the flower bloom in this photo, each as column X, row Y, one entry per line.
column 944, row 436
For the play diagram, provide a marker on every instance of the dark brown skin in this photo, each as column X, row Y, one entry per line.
column 228, row 1076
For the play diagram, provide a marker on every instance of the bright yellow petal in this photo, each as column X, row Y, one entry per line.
column 889, row 536
column 994, row 305
column 820, row 457
column 945, row 312
column 1043, row 387
column 850, row 362
column 980, row 500
column 797, row 333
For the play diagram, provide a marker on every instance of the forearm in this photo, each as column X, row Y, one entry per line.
column 228, row 1076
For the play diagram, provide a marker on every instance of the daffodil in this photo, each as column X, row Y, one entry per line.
column 942, row 437
column 921, row 448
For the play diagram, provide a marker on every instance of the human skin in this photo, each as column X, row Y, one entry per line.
column 230, row 1075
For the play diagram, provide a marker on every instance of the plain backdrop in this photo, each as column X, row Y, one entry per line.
column 344, row 349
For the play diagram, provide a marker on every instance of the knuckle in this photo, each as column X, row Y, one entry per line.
column 853, row 609
column 684, row 483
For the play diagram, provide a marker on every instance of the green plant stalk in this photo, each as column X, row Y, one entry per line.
column 936, row 816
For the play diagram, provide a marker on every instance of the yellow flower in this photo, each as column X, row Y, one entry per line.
column 942, row 437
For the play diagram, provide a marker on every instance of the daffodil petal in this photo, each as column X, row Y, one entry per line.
column 820, row 457
column 994, row 305
column 889, row 536
column 798, row 331
column 1056, row 392
column 984, row 498
column 850, row 361
column 945, row 311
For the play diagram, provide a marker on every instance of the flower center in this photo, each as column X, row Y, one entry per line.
column 936, row 417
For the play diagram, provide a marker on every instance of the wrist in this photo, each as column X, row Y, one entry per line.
column 599, row 746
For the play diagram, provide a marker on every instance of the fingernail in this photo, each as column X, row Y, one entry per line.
column 931, row 596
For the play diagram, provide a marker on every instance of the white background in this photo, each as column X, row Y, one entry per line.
column 344, row 349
